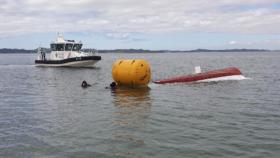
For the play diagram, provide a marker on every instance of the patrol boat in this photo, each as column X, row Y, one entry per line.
column 66, row 53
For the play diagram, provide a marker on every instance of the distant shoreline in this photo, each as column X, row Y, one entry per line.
column 11, row 51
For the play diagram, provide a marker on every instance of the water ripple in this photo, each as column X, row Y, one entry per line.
column 45, row 113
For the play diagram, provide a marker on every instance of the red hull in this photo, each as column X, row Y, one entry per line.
column 202, row 76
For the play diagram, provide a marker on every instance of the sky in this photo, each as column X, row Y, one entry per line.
column 142, row 24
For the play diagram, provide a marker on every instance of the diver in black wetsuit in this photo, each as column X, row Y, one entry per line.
column 113, row 86
column 85, row 84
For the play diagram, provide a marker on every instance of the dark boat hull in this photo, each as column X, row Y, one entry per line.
column 87, row 61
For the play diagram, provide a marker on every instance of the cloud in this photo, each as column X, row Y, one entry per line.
column 117, row 35
column 122, row 18
column 232, row 42
column 257, row 44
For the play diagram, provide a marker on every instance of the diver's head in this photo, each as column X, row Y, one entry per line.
column 84, row 83
column 113, row 85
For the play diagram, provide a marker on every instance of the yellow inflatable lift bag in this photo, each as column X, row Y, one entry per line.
column 133, row 73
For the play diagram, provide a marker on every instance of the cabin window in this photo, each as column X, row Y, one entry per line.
column 68, row 47
column 53, row 47
column 60, row 47
column 77, row 47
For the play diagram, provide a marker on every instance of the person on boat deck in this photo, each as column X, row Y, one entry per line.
column 85, row 84
column 43, row 55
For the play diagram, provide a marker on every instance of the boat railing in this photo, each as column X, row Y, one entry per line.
column 41, row 53
column 90, row 52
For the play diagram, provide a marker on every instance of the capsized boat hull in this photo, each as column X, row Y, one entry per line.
column 210, row 75
column 87, row 61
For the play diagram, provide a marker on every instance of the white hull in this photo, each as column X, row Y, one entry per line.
column 66, row 53
column 225, row 78
column 90, row 63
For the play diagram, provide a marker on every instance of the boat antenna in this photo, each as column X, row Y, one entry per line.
column 59, row 34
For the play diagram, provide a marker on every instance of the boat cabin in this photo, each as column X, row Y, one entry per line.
column 69, row 45
column 63, row 49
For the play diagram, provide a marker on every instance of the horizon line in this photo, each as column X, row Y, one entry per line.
column 141, row 49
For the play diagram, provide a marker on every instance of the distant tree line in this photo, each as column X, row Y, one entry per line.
column 8, row 50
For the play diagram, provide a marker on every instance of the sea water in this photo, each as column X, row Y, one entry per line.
column 44, row 112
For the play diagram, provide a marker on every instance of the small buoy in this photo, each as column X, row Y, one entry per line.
column 131, row 73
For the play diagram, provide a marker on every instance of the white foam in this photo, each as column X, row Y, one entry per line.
column 225, row 78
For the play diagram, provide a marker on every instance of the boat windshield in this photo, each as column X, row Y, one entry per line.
column 53, row 47
column 60, row 47
column 77, row 47
column 57, row 47
column 68, row 46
